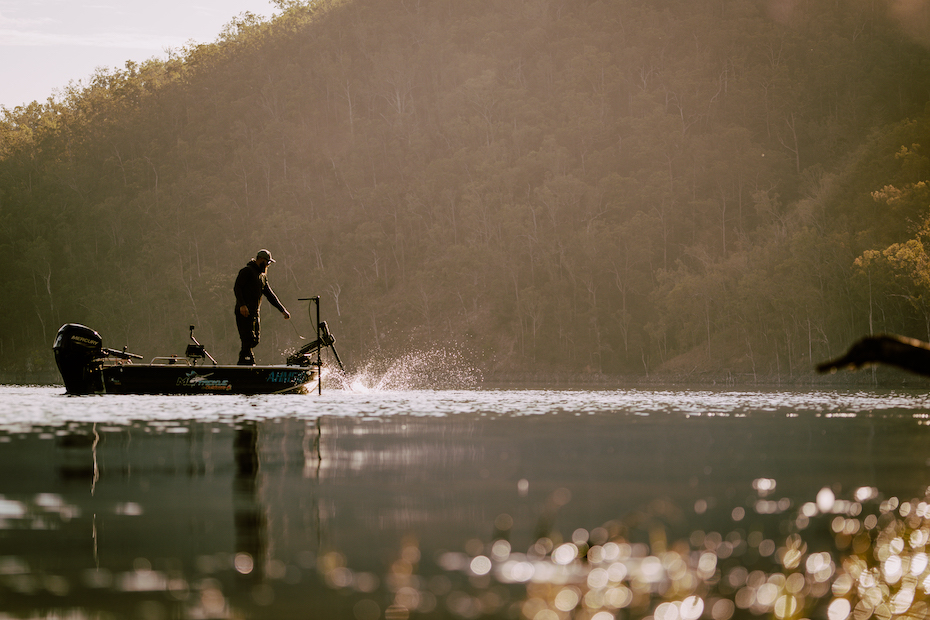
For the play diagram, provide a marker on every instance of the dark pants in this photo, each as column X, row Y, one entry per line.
column 249, row 328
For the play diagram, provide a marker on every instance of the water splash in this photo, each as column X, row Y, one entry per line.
column 433, row 369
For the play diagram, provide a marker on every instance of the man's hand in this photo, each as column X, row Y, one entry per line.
column 244, row 311
column 286, row 314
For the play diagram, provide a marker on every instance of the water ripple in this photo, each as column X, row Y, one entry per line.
column 25, row 407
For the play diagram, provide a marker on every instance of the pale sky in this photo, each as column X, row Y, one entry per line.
column 45, row 44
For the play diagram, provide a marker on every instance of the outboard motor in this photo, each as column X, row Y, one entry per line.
column 78, row 350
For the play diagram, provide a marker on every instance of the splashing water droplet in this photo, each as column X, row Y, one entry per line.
column 433, row 369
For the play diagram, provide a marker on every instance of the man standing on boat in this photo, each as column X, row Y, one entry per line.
column 251, row 285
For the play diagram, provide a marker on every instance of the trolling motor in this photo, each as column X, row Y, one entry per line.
column 196, row 351
column 324, row 338
column 304, row 357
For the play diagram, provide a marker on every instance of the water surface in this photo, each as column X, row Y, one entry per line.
column 669, row 504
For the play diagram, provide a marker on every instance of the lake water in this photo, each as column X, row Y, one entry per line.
column 535, row 504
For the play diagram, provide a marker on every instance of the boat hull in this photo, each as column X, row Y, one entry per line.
column 184, row 379
column 88, row 368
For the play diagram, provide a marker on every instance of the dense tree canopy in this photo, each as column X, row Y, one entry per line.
column 607, row 186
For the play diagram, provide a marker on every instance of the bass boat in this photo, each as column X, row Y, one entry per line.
column 87, row 367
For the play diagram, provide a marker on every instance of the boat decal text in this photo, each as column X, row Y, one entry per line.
column 192, row 379
column 286, row 376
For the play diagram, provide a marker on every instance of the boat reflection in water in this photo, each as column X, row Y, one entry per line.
column 465, row 517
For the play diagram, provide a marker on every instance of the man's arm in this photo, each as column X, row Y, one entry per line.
column 273, row 300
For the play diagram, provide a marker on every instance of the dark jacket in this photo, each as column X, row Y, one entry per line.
column 251, row 284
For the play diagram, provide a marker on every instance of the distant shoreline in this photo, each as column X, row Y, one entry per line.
column 882, row 378
column 30, row 378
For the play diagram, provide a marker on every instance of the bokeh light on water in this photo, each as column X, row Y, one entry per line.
column 846, row 560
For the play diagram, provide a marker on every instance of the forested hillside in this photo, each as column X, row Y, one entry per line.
column 611, row 186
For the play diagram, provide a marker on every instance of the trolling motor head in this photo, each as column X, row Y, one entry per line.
column 304, row 357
